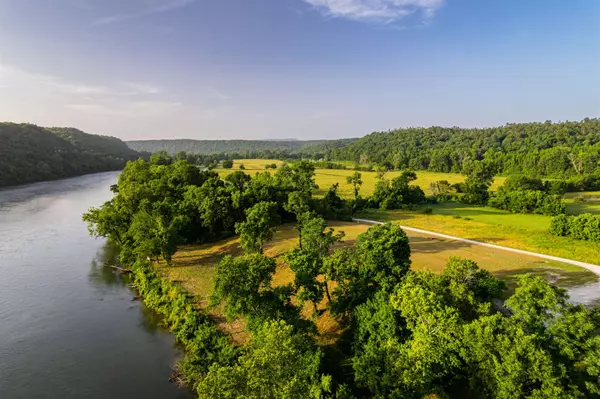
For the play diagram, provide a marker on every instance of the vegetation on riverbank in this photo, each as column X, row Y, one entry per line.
column 324, row 319
column 30, row 153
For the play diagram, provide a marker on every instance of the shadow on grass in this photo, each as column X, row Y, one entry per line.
column 560, row 277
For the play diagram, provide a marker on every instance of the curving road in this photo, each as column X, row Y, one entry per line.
column 589, row 266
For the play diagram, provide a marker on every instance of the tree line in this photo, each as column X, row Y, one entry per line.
column 557, row 150
column 266, row 149
column 30, row 153
column 403, row 333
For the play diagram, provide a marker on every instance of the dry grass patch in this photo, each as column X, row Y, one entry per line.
column 194, row 266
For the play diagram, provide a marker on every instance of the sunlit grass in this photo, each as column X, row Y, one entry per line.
column 194, row 266
column 325, row 178
column 527, row 232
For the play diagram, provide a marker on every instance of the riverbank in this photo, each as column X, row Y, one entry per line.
column 69, row 327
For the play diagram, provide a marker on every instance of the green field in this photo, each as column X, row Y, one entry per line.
column 325, row 178
column 527, row 232
column 585, row 202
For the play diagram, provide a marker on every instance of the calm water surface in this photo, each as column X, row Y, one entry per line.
column 68, row 325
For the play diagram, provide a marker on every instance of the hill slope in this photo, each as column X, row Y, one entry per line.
column 29, row 153
column 208, row 147
column 542, row 149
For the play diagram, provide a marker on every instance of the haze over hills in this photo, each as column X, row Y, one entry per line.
column 30, row 153
column 208, row 147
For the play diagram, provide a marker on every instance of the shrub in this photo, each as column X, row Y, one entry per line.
column 559, row 226
column 528, row 201
column 227, row 164
column 582, row 227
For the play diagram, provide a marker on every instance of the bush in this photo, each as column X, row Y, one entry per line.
column 242, row 167
column 428, row 210
column 528, row 201
column 559, row 226
column 227, row 164
column 582, row 227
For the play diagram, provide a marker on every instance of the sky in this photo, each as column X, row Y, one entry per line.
column 304, row 69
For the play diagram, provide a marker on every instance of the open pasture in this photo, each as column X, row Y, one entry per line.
column 325, row 178
column 194, row 266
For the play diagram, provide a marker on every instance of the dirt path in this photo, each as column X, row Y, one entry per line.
column 589, row 266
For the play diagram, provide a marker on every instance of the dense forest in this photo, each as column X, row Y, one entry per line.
column 537, row 149
column 402, row 334
column 30, row 153
column 246, row 148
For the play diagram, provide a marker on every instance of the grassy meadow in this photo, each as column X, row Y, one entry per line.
column 527, row 232
column 194, row 265
column 325, row 178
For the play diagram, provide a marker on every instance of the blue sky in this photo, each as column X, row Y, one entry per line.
column 219, row 69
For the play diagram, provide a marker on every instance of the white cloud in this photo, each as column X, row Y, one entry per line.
column 141, row 88
column 383, row 11
column 163, row 6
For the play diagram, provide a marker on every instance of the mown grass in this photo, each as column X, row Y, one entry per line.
column 584, row 202
column 325, row 178
column 527, row 232
column 194, row 267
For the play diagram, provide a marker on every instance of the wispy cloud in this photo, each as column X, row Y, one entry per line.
column 165, row 6
column 220, row 95
column 380, row 11
column 141, row 88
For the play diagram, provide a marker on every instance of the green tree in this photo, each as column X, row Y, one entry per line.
column 480, row 176
column 278, row 363
column 356, row 181
column 227, row 164
column 240, row 281
column 259, row 226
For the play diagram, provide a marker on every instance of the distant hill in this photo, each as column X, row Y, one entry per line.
column 208, row 147
column 30, row 153
column 536, row 149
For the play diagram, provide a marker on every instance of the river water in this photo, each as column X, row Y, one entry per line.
column 68, row 325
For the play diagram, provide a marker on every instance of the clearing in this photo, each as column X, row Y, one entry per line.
column 193, row 266
column 325, row 178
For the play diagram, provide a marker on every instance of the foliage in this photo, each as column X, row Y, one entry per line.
column 239, row 282
column 278, row 363
column 239, row 149
column 259, row 226
column 30, row 153
column 582, row 227
column 227, row 164
column 480, row 176
column 546, row 149
column 528, row 201
column 397, row 193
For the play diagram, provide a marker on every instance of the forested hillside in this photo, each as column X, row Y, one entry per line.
column 253, row 147
column 537, row 149
column 29, row 153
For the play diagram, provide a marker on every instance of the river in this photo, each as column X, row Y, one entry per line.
column 68, row 325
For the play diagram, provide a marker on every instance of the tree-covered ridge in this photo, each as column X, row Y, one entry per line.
column 250, row 147
column 536, row 149
column 29, row 153
column 95, row 144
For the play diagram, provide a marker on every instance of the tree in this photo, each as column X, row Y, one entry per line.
column 227, row 164
column 298, row 204
column 259, row 226
column 480, row 176
column 356, row 181
column 239, row 281
column 153, row 236
column 379, row 261
column 278, row 363
column 307, row 261
column 242, row 167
